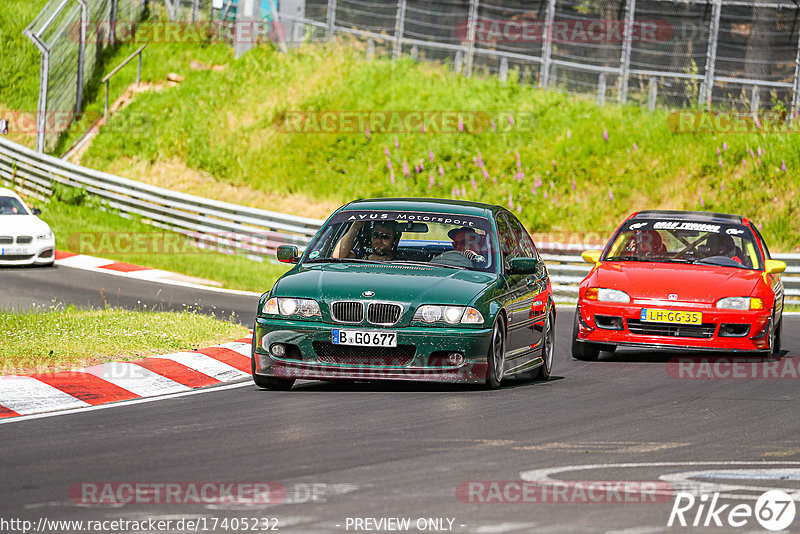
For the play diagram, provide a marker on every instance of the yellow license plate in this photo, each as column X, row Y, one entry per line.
column 671, row 316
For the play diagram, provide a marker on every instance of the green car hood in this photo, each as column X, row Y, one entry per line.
column 408, row 284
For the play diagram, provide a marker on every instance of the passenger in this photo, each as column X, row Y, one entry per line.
column 467, row 244
column 722, row 245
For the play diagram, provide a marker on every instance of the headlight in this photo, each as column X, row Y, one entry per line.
column 741, row 303
column 289, row 306
column 449, row 314
column 602, row 294
column 44, row 237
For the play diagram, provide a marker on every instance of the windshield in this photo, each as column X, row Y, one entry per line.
column 432, row 239
column 11, row 206
column 729, row 245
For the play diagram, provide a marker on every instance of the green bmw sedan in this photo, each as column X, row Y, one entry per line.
column 409, row 289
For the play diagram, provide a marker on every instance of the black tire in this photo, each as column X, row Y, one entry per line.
column 776, row 342
column 580, row 349
column 548, row 349
column 267, row 382
column 496, row 358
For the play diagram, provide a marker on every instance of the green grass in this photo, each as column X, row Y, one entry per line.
column 88, row 230
column 229, row 124
column 79, row 338
column 19, row 58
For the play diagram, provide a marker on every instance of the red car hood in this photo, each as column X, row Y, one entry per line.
column 691, row 283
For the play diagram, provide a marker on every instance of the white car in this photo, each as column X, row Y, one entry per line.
column 25, row 239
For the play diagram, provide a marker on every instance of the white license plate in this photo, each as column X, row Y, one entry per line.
column 12, row 251
column 364, row 338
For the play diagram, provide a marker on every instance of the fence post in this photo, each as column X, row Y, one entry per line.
column 370, row 49
column 459, row 61
column 112, row 35
column 414, row 53
column 331, row 20
column 601, row 89
column 796, row 83
column 755, row 99
column 503, row 70
column 472, row 21
column 195, row 9
column 81, row 54
column 625, row 59
column 547, row 39
column 44, row 76
column 399, row 29
column 651, row 94
column 711, row 56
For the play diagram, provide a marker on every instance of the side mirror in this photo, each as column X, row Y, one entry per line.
column 523, row 266
column 36, row 211
column 774, row 266
column 288, row 254
column 591, row 256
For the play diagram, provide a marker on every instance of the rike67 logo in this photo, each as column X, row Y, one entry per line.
column 774, row 510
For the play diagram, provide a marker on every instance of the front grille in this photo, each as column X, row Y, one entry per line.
column 24, row 240
column 705, row 330
column 383, row 313
column 6, row 239
column 401, row 355
column 348, row 311
column 16, row 257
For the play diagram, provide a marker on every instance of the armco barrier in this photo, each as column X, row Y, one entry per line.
column 243, row 229
column 211, row 222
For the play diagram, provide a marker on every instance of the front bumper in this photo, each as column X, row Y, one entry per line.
column 36, row 253
column 752, row 327
column 309, row 354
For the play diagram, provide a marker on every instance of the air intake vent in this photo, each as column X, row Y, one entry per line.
column 383, row 313
column 348, row 311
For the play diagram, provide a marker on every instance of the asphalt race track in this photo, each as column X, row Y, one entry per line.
column 25, row 287
column 352, row 457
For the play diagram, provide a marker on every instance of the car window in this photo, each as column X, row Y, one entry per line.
column 508, row 241
column 11, row 206
column 435, row 239
column 761, row 240
column 526, row 245
column 670, row 241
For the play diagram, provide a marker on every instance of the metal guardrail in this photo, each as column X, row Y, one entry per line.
column 211, row 223
column 252, row 231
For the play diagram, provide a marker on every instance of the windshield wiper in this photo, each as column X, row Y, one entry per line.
column 340, row 260
column 428, row 264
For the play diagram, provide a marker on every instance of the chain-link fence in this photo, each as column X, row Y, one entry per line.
column 69, row 57
column 677, row 53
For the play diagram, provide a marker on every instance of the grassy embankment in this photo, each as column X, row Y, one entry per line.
column 580, row 168
column 79, row 338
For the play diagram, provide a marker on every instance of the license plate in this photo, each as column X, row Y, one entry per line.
column 671, row 316
column 364, row 338
column 12, row 251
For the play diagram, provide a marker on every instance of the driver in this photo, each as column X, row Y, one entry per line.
column 384, row 238
column 648, row 243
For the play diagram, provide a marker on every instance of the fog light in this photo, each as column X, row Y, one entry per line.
column 278, row 350
column 455, row 358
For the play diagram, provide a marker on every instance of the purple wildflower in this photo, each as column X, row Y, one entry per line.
column 605, row 135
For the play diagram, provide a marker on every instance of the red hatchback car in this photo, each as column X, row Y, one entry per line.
column 681, row 280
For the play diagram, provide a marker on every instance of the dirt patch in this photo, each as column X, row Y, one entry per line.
column 176, row 176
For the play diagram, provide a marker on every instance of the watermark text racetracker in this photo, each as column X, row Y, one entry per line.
column 732, row 122
column 102, row 493
column 711, row 367
column 198, row 524
column 26, row 122
column 564, row 492
column 404, row 121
